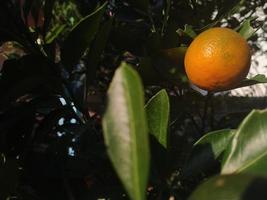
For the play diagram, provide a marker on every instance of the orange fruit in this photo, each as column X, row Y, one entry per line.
column 218, row 59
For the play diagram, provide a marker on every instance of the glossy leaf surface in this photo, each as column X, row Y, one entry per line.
column 248, row 148
column 125, row 131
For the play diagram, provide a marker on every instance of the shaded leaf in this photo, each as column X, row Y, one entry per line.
column 97, row 48
column 207, row 150
column 80, row 38
column 259, row 78
column 158, row 110
column 247, row 151
column 232, row 187
column 125, row 131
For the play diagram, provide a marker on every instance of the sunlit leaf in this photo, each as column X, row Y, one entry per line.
column 246, row 30
column 125, row 131
column 247, row 151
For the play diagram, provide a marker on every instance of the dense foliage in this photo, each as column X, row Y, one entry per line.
column 95, row 103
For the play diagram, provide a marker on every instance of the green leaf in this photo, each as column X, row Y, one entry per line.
column 218, row 140
column 81, row 37
column 231, row 187
column 54, row 33
column 247, row 151
column 246, row 30
column 207, row 150
column 98, row 46
column 259, row 78
column 188, row 31
column 125, row 131
column 158, row 111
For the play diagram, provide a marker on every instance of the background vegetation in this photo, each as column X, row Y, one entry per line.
column 76, row 68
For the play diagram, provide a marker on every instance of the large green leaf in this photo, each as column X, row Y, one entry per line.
column 158, row 110
column 207, row 150
column 80, row 38
column 232, row 187
column 248, row 149
column 126, row 132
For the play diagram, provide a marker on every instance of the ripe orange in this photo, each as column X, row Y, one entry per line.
column 218, row 59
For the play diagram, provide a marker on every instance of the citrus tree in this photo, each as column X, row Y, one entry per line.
column 117, row 100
